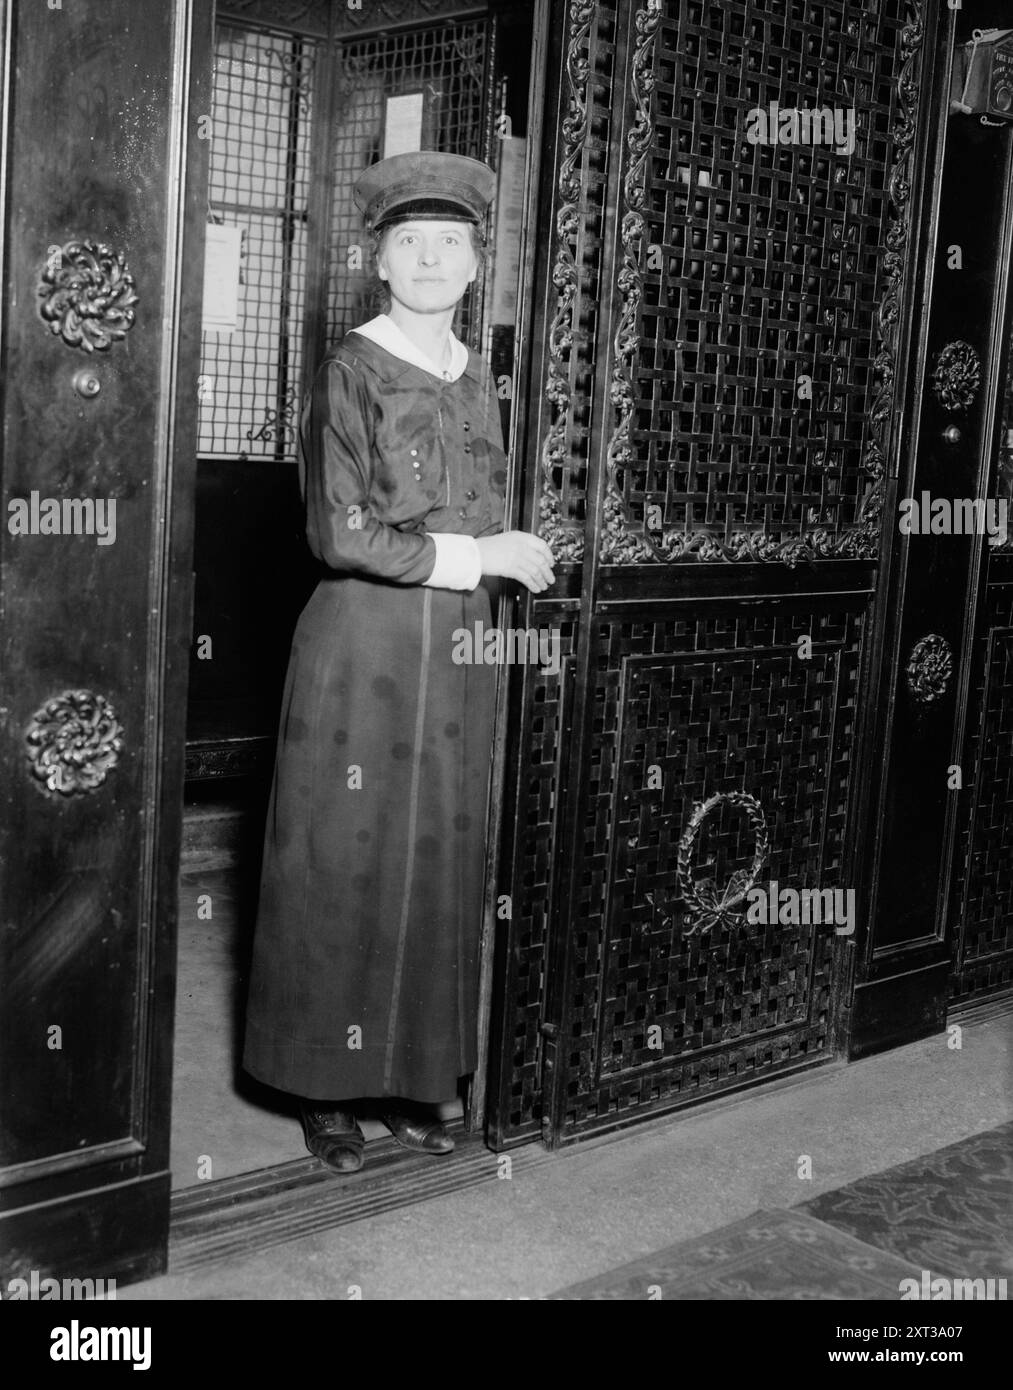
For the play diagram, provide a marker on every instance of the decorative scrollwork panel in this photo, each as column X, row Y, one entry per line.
column 1003, row 474
column 754, row 357
column 305, row 16
column 579, row 217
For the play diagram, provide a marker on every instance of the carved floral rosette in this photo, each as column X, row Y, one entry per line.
column 929, row 669
column 74, row 742
column 818, row 541
column 706, row 906
column 956, row 376
column 87, row 295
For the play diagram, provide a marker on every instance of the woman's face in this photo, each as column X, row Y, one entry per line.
column 427, row 265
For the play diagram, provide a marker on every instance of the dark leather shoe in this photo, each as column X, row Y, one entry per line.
column 421, row 1133
column 334, row 1137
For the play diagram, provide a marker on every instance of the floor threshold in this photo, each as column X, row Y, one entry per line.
column 235, row 1217
column 240, row 1216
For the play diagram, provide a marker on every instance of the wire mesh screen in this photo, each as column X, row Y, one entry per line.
column 449, row 65
column 259, row 180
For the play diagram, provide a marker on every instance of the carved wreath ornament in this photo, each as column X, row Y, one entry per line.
column 929, row 668
column 87, row 295
column 709, row 907
column 957, row 376
column 74, row 742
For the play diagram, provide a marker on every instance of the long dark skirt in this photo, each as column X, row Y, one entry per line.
column 365, row 967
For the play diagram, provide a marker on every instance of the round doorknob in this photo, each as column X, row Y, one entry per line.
column 86, row 383
column 952, row 434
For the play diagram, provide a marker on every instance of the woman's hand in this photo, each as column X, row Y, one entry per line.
column 518, row 555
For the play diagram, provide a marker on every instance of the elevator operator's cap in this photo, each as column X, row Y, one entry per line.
column 424, row 185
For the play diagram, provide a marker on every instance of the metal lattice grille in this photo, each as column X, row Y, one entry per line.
column 538, row 860
column 685, row 710
column 449, row 63
column 983, row 930
column 753, row 284
column 259, row 180
column 696, row 282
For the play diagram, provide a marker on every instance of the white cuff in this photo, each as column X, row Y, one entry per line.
column 458, row 562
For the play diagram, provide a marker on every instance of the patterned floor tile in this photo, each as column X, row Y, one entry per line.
column 950, row 1212
column 782, row 1255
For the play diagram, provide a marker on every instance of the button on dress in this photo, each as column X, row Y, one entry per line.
column 364, row 978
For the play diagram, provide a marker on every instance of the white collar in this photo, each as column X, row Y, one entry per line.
column 385, row 332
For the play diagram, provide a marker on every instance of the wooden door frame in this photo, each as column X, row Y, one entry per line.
column 208, row 1213
column 903, row 961
column 104, row 1209
column 329, row 32
column 994, row 574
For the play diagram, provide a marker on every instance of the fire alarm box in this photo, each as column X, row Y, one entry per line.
column 983, row 75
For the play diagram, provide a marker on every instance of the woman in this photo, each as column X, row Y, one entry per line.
column 365, row 971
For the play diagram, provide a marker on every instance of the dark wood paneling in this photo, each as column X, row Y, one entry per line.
column 102, row 1234
column 939, row 572
column 898, row 1009
column 981, row 898
column 105, row 101
column 933, row 585
column 981, row 902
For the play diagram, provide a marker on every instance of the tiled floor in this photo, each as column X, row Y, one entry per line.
column 950, row 1211
column 946, row 1215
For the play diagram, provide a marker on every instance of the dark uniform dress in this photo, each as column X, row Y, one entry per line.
column 365, row 969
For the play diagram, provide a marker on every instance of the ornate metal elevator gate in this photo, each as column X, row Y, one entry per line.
column 710, row 453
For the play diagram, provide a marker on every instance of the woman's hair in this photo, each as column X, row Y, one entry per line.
column 377, row 292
